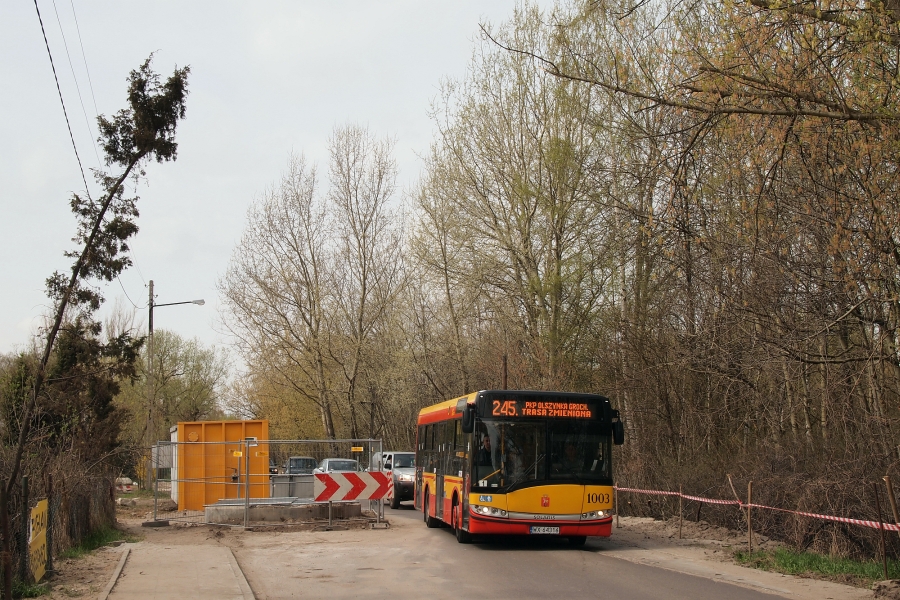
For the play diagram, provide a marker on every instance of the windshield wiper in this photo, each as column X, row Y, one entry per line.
column 524, row 476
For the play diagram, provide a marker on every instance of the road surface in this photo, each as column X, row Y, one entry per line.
column 412, row 561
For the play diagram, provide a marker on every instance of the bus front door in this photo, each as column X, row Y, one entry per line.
column 439, row 496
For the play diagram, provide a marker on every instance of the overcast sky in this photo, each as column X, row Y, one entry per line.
column 267, row 79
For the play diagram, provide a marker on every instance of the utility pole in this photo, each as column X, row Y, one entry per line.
column 151, row 400
column 151, row 393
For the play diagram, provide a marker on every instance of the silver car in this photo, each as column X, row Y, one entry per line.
column 332, row 465
column 402, row 468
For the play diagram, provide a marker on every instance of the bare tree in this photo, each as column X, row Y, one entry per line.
column 277, row 289
column 368, row 267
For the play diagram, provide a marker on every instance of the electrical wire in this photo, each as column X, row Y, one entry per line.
column 59, row 90
column 84, row 58
column 129, row 297
column 75, row 78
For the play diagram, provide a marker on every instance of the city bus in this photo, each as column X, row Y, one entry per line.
column 518, row 463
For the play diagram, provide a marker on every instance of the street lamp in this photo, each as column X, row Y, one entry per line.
column 151, row 417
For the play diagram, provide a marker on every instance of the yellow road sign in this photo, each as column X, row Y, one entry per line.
column 37, row 540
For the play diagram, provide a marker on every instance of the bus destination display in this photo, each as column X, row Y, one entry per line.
column 529, row 408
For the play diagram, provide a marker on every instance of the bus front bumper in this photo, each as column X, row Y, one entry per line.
column 479, row 524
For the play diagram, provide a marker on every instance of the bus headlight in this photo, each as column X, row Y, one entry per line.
column 593, row 515
column 488, row 511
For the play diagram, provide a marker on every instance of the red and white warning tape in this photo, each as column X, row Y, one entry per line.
column 861, row 522
column 872, row 524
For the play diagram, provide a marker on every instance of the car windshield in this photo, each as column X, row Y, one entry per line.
column 301, row 465
column 402, row 461
column 341, row 465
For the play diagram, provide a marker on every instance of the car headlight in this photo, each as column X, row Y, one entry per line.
column 593, row 515
column 405, row 478
column 488, row 511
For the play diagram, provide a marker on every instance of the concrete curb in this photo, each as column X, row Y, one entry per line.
column 239, row 575
column 115, row 576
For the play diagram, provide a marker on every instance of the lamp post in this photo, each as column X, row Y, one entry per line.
column 151, row 395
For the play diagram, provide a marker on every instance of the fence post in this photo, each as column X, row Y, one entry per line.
column 7, row 545
column 881, row 528
column 736, row 497
column 749, row 524
column 893, row 501
column 246, row 483
column 26, row 521
column 616, row 500
column 154, row 465
column 49, row 567
column 680, row 511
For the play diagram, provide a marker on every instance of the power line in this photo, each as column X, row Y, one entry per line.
column 127, row 296
column 84, row 58
column 77, row 87
column 75, row 78
column 52, row 66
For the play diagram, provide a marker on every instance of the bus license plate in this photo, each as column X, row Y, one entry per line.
column 543, row 529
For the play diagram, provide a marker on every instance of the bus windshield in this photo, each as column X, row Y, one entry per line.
column 521, row 453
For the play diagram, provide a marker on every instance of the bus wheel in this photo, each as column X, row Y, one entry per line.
column 577, row 540
column 430, row 521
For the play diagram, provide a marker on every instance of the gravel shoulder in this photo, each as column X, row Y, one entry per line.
column 707, row 551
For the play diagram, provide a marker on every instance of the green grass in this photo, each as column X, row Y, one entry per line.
column 29, row 590
column 99, row 538
column 844, row 570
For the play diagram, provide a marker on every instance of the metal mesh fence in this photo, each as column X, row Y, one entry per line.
column 77, row 509
column 254, row 481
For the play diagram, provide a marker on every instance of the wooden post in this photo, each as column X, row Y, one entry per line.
column 749, row 525
column 892, row 499
column 680, row 511
column 7, row 545
column 881, row 528
column 26, row 521
column 49, row 567
column 616, row 500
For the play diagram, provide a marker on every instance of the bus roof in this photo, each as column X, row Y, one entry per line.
column 444, row 410
column 448, row 409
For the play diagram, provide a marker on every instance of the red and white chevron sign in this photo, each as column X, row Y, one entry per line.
column 343, row 487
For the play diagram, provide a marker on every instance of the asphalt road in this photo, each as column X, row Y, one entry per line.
column 412, row 561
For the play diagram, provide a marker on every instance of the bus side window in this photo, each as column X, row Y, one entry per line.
column 420, row 437
column 459, row 449
column 449, row 441
column 450, row 447
column 428, row 448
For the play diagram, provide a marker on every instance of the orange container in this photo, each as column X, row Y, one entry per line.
column 213, row 462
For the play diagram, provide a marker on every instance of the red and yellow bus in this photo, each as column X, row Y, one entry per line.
column 518, row 462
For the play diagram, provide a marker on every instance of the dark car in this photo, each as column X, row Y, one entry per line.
column 300, row 465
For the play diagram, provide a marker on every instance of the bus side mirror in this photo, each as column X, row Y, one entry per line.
column 468, row 418
column 618, row 433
